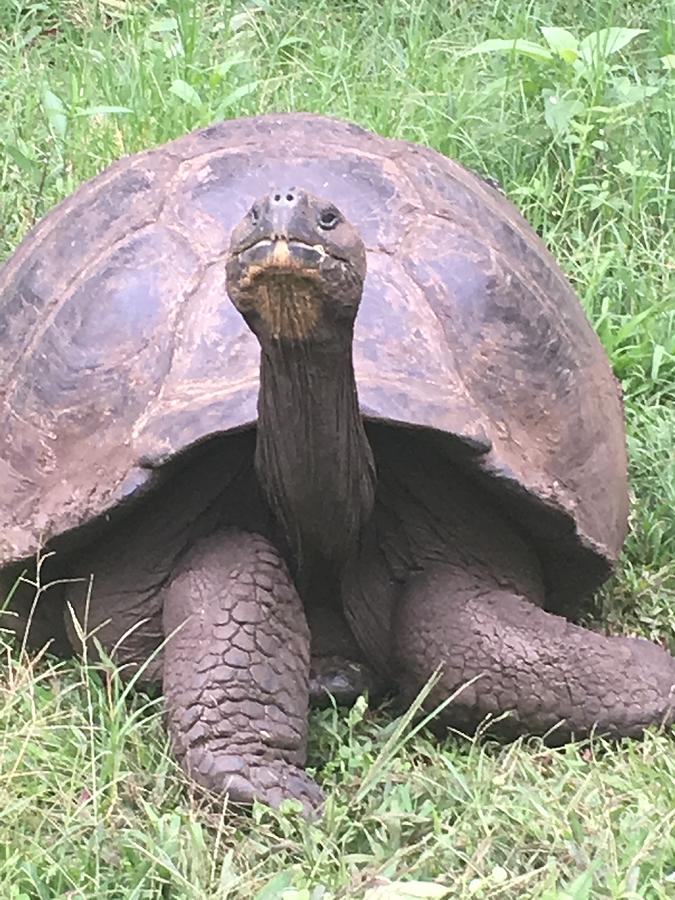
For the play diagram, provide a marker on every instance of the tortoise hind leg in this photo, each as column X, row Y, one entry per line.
column 338, row 668
column 542, row 670
column 236, row 670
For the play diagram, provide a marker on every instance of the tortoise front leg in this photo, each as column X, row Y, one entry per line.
column 236, row 670
column 548, row 674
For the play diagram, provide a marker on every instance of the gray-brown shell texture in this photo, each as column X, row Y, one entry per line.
column 119, row 347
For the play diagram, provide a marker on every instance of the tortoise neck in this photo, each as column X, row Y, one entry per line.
column 313, row 459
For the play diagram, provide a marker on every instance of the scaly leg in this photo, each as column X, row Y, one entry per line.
column 546, row 672
column 236, row 671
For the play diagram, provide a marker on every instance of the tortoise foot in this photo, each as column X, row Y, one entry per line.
column 250, row 777
column 343, row 679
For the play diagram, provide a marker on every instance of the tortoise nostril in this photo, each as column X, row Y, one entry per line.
column 288, row 196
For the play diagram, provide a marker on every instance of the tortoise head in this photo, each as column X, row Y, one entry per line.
column 295, row 269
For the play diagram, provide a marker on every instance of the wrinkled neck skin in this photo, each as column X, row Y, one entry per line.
column 313, row 459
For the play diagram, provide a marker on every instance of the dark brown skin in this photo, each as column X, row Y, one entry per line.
column 320, row 552
column 311, row 438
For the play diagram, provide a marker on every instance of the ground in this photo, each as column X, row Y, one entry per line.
column 580, row 132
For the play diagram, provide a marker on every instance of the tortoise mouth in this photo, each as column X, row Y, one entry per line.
column 283, row 255
column 287, row 287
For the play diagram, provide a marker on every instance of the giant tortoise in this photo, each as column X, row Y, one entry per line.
column 315, row 408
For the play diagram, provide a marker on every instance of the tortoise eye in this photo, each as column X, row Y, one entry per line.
column 329, row 218
column 255, row 215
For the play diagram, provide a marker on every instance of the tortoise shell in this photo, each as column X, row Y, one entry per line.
column 119, row 348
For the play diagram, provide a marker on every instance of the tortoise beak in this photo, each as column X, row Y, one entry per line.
column 282, row 255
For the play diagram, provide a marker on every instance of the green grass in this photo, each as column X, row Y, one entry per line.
column 91, row 804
